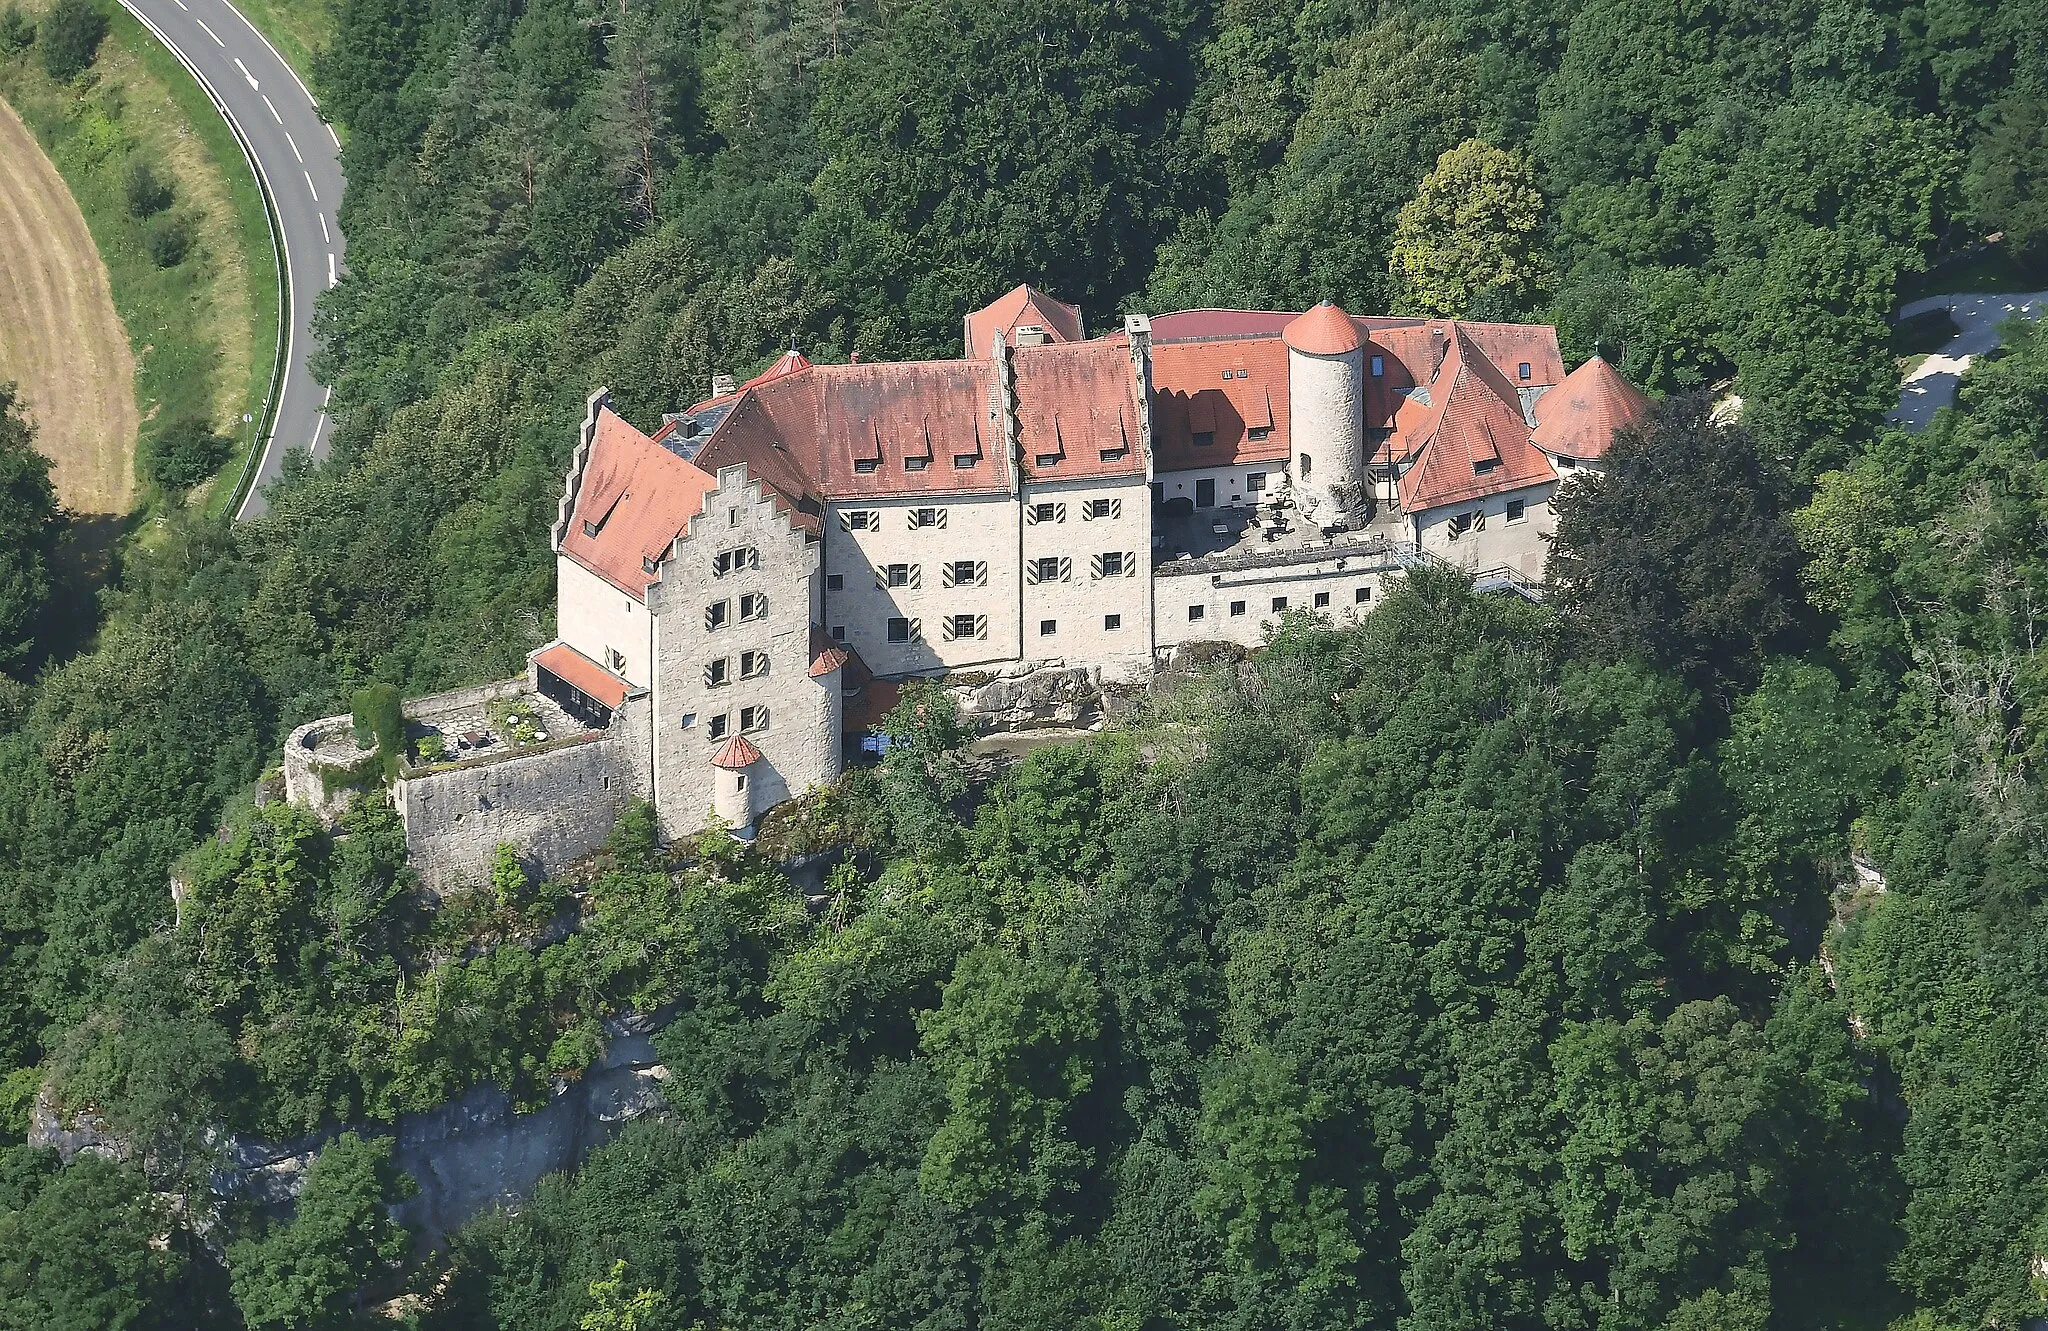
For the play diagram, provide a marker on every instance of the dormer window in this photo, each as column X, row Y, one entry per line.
column 1047, row 460
column 1204, row 438
column 867, row 466
column 964, row 461
column 1522, row 372
column 1480, row 466
column 916, row 464
column 1258, row 432
column 1379, row 367
column 589, row 527
column 649, row 563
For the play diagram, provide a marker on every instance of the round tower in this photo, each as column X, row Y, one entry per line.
column 732, row 795
column 1326, row 413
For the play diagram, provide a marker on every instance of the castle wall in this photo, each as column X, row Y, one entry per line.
column 1519, row 545
column 556, row 804
column 598, row 619
column 982, row 529
column 1238, row 604
column 1233, row 483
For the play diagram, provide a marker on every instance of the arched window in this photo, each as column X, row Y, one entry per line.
column 1304, row 466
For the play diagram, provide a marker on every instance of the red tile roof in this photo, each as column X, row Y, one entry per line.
column 807, row 434
column 1023, row 306
column 736, row 754
column 1077, row 403
column 581, row 673
column 1190, row 393
column 1323, row 331
column 826, row 655
column 1474, row 421
column 634, row 499
column 1578, row 418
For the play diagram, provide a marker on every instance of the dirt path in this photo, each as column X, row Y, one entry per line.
column 60, row 338
column 1978, row 317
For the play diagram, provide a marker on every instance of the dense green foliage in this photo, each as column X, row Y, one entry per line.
column 1459, row 969
column 186, row 451
column 70, row 36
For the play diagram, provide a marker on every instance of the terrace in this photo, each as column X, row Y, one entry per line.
column 1215, row 540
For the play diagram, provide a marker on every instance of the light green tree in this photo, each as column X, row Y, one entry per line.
column 1471, row 232
column 615, row 1310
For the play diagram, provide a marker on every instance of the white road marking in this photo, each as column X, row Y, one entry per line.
column 246, row 74
column 326, row 395
column 332, row 135
column 216, row 36
column 309, row 186
column 181, row 5
column 331, row 278
column 323, row 229
column 295, row 146
column 318, row 426
column 273, row 109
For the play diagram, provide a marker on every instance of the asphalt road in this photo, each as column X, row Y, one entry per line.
column 1978, row 319
column 297, row 159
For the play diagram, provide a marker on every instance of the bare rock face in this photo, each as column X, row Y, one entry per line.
column 72, row 1135
column 1062, row 696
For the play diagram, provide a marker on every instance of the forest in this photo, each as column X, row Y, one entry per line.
column 1671, row 955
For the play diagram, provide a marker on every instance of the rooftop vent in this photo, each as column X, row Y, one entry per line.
column 721, row 385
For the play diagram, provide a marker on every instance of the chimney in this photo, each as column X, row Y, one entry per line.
column 1138, row 332
column 1439, row 347
column 721, row 385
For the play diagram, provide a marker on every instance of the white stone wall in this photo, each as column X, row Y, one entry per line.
column 1519, row 545
column 983, row 529
column 1233, row 486
column 598, row 619
column 1326, row 422
column 1079, row 604
column 1337, row 580
column 800, row 744
column 556, row 804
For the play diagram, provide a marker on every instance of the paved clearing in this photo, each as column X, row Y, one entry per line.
column 60, row 339
column 1933, row 382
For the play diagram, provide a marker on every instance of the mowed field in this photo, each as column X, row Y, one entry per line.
column 60, row 338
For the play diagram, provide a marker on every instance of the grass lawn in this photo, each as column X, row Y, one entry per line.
column 203, row 330
column 297, row 28
column 1985, row 268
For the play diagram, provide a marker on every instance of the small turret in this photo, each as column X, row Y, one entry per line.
column 1326, row 408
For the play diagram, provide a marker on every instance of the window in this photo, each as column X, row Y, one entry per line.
column 1195, row 612
column 589, row 527
column 1103, row 508
column 839, row 633
column 648, row 563
column 739, row 781
column 925, row 518
column 717, row 727
column 1565, row 463
column 1045, row 512
column 1379, row 367
column 916, row 464
column 616, row 659
column 1516, row 509
column 732, row 561
column 732, row 517
column 1047, row 460
column 1112, row 622
column 753, row 718
column 1322, row 599
column 1236, row 608
column 866, row 466
column 753, row 665
column 1109, row 564
column 898, row 575
column 1304, row 466
column 718, row 673
column 964, row 461
column 1460, row 525
column 754, row 605
column 899, row 629
column 1255, row 482
column 1048, row 569
column 1048, row 627
column 1522, row 372
column 1113, row 454
column 717, row 614
column 966, row 572
column 689, row 720
column 1361, row 596
column 1480, row 466
column 860, row 519
column 1279, row 604
column 1204, row 438
column 835, row 582
column 966, row 626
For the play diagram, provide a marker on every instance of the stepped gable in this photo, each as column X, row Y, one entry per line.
column 1472, row 439
column 1022, row 306
column 1323, row 331
column 1077, row 411
column 861, row 431
column 1578, row 418
column 634, row 498
column 1226, row 388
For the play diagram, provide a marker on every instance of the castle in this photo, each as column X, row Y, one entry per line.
column 735, row 589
